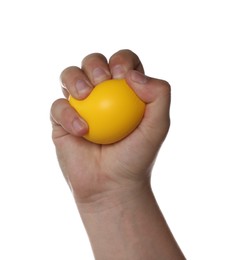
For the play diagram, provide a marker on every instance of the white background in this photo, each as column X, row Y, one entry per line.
column 184, row 42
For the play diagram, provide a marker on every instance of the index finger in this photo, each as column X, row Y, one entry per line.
column 123, row 61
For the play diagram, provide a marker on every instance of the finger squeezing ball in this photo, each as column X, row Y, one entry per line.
column 112, row 111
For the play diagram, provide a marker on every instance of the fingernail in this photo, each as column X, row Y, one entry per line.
column 138, row 77
column 79, row 126
column 99, row 75
column 82, row 88
column 118, row 72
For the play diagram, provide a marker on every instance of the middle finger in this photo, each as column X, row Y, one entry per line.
column 96, row 68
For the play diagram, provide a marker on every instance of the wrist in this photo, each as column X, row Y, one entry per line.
column 111, row 224
column 116, row 198
column 129, row 228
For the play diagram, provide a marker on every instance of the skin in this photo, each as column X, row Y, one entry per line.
column 111, row 183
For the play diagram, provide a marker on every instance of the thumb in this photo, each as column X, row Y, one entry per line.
column 156, row 94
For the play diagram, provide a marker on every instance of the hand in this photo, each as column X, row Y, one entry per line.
column 111, row 183
column 105, row 175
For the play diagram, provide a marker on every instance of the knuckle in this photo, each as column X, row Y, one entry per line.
column 121, row 55
column 90, row 58
column 166, row 88
column 59, row 107
column 65, row 73
column 54, row 105
column 53, row 112
column 127, row 58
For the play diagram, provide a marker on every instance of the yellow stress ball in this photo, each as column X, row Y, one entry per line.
column 112, row 111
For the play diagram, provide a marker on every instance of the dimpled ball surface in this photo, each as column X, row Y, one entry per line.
column 112, row 111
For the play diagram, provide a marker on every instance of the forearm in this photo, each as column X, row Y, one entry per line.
column 133, row 230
